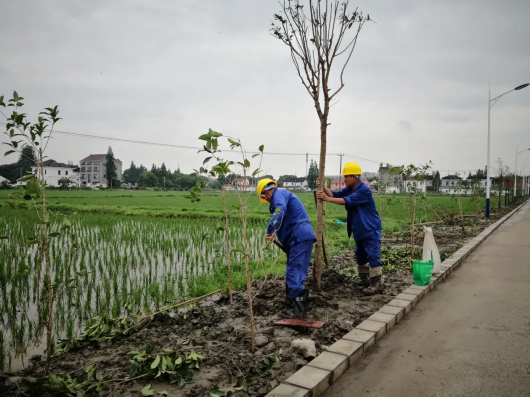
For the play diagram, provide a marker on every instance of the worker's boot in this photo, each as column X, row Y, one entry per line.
column 363, row 280
column 300, row 304
column 376, row 283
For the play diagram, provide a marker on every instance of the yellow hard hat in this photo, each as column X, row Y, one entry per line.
column 351, row 169
column 262, row 184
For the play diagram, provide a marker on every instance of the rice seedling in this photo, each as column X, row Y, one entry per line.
column 125, row 265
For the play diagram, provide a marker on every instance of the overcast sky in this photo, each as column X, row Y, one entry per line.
column 166, row 71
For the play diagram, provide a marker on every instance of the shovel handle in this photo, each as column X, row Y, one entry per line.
column 279, row 245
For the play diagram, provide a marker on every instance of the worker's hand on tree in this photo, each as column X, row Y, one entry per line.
column 322, row 196
column 270, row 237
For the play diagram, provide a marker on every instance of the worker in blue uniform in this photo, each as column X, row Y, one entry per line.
column 290, row 224
column 364, row 223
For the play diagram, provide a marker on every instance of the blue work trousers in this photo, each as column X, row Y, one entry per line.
column 368, row 248
column 298, row 260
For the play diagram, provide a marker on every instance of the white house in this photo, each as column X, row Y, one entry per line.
column 242, row 184
column 295, row 184
column 54, row 171
column 93, row 169
column 452, row 184
column 412, row 183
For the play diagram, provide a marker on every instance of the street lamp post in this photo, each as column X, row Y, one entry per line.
column 515, row 174
column 492, row 102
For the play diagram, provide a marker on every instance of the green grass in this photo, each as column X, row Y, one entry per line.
column 395, row 210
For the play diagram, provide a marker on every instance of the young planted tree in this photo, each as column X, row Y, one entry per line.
column 243, row 168
column 477, row 193
column 414, row 186
column 22, row 134
column 219, row 171
column 318, row 37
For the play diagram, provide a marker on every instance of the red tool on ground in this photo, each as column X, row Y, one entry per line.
column 295, row 322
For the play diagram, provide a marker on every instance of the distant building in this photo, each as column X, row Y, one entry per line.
column 337, row 185
column 413, row 183
column 453, row 184
column 93, row 169
column 295, row 183
column 388, row 183
column 242, row 184
column 368, row 175
column 54, row 171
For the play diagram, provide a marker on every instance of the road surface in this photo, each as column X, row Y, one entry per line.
column 469, row 337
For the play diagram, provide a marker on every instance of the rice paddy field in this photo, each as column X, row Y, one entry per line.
column 140, row 250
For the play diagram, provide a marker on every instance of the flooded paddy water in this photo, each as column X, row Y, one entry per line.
column 123, row 265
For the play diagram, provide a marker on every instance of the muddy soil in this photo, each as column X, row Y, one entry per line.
column 221, row 330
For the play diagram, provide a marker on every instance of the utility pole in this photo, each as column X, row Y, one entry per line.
column 306, row 160
column 164, row 182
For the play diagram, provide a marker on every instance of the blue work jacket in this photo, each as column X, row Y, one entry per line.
column 363, row 218
column 289, row 221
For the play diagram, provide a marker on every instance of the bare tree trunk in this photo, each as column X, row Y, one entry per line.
column 317, row 268
column 227, row 243
column 247, row 274
column 315, row 39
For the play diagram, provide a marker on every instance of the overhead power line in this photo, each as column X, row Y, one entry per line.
column 192, row 147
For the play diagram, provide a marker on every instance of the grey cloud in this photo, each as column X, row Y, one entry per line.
column 167, row 71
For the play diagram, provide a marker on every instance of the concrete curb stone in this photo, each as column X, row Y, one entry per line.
column 313, row 379
column 388, row 319
column 285, row 390
column 347, row 348
column 333, row 362
column 406, row 297
column 373, row 326
column 367, row 338
column 405, row 304
column 420, row 293
column 399, row 312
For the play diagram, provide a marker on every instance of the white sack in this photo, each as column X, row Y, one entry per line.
column 429, row 245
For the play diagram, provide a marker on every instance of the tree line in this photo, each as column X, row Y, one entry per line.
column 161, row 177
column 18, row 169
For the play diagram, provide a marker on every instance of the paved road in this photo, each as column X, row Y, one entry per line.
column 469, row 337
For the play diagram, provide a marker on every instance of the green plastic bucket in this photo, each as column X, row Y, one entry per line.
column 422, row 271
